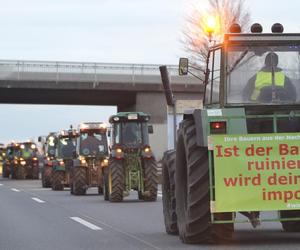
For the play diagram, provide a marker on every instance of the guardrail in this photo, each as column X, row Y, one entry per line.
column 19, row 70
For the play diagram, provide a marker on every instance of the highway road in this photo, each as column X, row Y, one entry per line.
column 35, row 218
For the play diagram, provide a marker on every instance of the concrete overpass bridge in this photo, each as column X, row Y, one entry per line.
column 130, row 87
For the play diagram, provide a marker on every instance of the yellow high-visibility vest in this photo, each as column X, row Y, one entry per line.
column 264, row 79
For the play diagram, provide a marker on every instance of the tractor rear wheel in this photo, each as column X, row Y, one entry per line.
column 116, row 180
column 290, row 226
column 168, row 192
column 79, row 181
column 58, row 180
column 192, row 191
column 150, row 180
column 46, row 177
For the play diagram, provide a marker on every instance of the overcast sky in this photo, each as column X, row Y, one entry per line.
column 118, row 31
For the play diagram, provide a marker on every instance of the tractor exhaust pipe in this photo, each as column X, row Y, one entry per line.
column 171, row 101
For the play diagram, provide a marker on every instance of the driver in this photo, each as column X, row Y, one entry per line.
column 259, row 87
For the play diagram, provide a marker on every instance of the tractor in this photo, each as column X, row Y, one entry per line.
column 62, row 164
column 91, row 157
column 132, row 165
column 49, row 150
column 2, row 156
column 11, row 152
column 27, row 165
column 238, row 155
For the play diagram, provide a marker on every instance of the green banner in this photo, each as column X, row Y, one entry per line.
column 258, row 172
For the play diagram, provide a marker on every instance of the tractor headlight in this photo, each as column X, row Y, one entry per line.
column 83, row 161
column 105, row 163
column 61, row 163
column 23, row 163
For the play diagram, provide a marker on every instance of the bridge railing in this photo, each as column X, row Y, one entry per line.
column 19, row 70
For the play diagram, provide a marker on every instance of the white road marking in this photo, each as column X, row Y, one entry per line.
column 86, row 223
column 1, row 184
column 15, row 190
column 38, row 200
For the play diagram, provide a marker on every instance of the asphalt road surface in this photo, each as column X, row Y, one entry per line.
column 36, row 218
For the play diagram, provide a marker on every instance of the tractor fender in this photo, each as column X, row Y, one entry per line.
column 197, row 116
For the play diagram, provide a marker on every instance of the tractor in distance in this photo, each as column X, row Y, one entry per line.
column 49, row 145
column 26, row 162
column 91, row 158
column 62, row 164
column 2, row 156
column 238, row 155
column 12, row 151
column 132, row 165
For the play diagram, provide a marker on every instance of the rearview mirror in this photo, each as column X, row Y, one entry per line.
column 108, row 133
column 150, row 129
column 39, row 139
column 183, row 66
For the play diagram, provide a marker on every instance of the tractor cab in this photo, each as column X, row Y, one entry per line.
column 254, row 69
column 66, row 145
column 92, row 140
column 51, row 145
column 28, row 150
column 130, row 130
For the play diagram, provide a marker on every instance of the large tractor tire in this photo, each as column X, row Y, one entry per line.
column 290, row 226
column 5, row 171
column 46, row 177
column 79, row 181
column 20, row 173
column 192, row 192
column 168, row 192
column 105, row 184
column 58, row 180
column 150, row 180
column 116, row 180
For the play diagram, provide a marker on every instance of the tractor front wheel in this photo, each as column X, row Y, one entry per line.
column 168, row 192
column 46, row 176
column 116, row 180
column 20, row 173
column 150, row 180
column 105, row 184
column 79, row 181
column 58, row 180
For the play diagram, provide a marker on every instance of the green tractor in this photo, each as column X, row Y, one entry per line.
column 26, row 164
column 132, row 165
column 238, row 155
column 11, row 158
column 49, row 149
column 62, row 164
column 91, row 158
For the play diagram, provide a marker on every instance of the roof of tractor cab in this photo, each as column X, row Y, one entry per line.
column 129, row 116
column 261, row 38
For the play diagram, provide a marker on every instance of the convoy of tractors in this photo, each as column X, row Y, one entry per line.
column 82, row 158
column 234, row 158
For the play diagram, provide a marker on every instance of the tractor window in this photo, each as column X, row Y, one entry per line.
column 92, row 143
column 131, row 133
column 28, row 150
column 263, row 75
column 66, row 147
column 212, row 87
column 116, row 133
